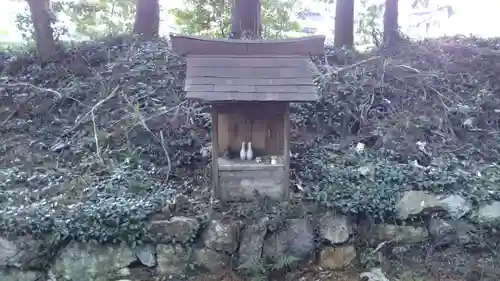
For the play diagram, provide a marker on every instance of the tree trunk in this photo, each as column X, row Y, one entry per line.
column 44, row 35
column 344, row 24
column 147, row 18
column 245, row 20
column 391, row 32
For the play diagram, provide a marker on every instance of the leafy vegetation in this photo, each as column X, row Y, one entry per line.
column 113, row 138
column 96, row 157
column 370, row 183
column 422, row 122
column 99, row 138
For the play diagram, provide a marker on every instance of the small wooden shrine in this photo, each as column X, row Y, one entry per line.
column 250, row 84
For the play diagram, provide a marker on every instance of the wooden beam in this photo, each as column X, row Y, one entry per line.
column 248, row 61
column 238, row 81
column 249, row 72
column 215, row 153
column 197, row 45
column 286, row 154
column 269, row 97
column 299, row 89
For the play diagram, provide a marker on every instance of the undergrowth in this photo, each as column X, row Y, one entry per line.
column 370, row 183
column 97, row 141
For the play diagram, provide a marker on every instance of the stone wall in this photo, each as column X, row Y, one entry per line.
column 187, row 245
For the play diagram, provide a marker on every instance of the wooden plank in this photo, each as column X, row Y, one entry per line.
column 310, row 45
column 266, row 89
column 190, row 45
column 238, row 131
column 239, row 185
column 215, row 154
column 258, row 133
column 243, row 61
column 244, row 165
column 262, row 123
column 235, row 126
column 274, row 136
column 286, row 152
column 271, row 109
column 232, row 96
column 252, row 72
column 238, row 81
column 251, row 89
column 223, row 130
column 197, row 45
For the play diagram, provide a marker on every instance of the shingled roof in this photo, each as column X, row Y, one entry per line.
column 249, row 70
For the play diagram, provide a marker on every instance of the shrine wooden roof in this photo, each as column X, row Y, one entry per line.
column 249, row 70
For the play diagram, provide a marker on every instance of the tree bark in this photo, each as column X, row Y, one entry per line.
column 391, row 31
column 44, row 35
column 245, row 20
column 344, row 24
column 147, row 18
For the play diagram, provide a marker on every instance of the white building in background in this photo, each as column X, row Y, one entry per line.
column 316, row 18
column 317, row 21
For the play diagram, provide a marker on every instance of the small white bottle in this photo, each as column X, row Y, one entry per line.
column 249, row 151
column 274, row 160
column 243, row 154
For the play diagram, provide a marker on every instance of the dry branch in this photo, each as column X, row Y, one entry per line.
column 85, row 118
column 22, row 103
column 28, row 85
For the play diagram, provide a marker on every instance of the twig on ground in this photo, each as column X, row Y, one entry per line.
column 162, row 141
column 139, row 116
column 11, row 115
column 337, row 71
column 176, row 113
column 96, row 138
column 27, row 99
column 169, row 163
column 24, row 84
column 356, row 64
column 97, row 105
column 407, row 67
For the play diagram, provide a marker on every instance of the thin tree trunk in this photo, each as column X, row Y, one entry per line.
column 147, row 18
column 391, row 31
column 44, row 35
column 245, row 19
column 344, row 24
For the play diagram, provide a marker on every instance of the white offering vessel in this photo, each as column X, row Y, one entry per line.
column 274, row 160
column 249, row 151
column 243, row 154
